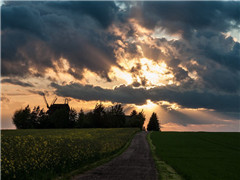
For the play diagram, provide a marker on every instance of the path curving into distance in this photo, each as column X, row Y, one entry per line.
column 134, row 163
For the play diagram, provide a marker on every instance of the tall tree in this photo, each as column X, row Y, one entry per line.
column 153, row 124
column 43, row 120
column 89, row 120
column 80, row 119
column 72, row 118
column 98, row 113
column 141, row 117
column 135, row 119
column 133, row 113
column 34, row 117
column 117, row 116
column 22, row 118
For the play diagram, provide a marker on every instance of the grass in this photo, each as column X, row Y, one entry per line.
column 199, row 155
column 48, row 154
column 165, row 172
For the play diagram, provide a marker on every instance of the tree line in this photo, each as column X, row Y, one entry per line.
column 99, row 117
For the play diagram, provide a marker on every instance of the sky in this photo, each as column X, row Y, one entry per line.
column 178, row 59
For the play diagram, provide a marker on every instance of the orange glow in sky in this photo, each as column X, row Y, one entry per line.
column 153, row 61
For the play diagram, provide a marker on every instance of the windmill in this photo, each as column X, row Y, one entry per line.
column 53, row 107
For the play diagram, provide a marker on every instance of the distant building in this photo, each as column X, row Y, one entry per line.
column 55, row 107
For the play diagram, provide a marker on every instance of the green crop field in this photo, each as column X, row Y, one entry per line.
column 200, row 155
column 45, row 154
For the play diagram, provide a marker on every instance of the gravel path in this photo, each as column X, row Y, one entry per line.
column 135, row 163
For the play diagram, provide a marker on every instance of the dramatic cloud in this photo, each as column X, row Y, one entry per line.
column 29, row 19
column 127, row 52
column 186, row 17
column 16, row 82
column 81, row 32
column 103, row 12
column 129, row 95
column 45, row 33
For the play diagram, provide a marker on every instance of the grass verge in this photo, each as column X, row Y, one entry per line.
column 165, row 172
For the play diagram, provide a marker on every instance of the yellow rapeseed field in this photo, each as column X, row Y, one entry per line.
column 43, row 154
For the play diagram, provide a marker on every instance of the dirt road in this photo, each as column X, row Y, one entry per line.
column 135, row 163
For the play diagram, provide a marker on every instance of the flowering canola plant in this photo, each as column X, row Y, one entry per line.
column 43, row 154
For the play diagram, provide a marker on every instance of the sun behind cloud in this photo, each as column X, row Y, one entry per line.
column 140, row 54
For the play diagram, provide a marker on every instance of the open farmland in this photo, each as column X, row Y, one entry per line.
column 199, row 156
column 44, row 154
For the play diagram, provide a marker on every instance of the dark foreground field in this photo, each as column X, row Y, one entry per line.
column 46, row 154
column 200, row 156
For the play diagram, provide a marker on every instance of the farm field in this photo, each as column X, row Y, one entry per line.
column 200, row 155
column 46, row 154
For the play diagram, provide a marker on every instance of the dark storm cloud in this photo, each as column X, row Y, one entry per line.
column 43, row 32
column 217, row 57
column 180, row 74
column 103, row 12
column 28, row 19
column 217, row 47
column 22, row 51
column 47, row 31
column 201, row 24
column 77, row 31
column 221, row 80
column 196, row 99
column 129, row 95
column 16, row 82
column 216, row 60
column 186, row 16
column 123, row 94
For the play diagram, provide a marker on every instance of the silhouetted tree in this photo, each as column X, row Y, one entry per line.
column 153, row 124
column 34, row 117
column 117, row 116
column 135, row 119
column 98, row 114
column 43, row 120
column 22, row 118
column 141, row 117
column 114, row 117
column 72, row 118
column 80, row 119
column 89, row 120
column 133, row 113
